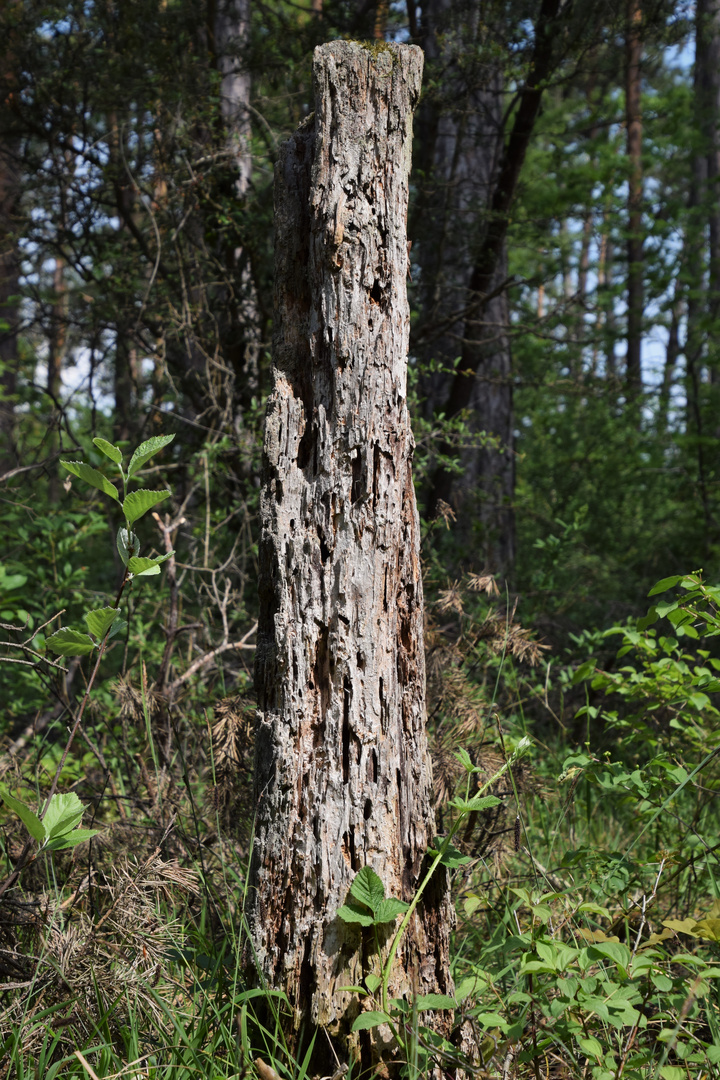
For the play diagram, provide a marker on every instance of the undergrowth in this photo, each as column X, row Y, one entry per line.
column 585, row 878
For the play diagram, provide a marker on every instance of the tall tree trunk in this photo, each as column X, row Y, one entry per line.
column 343, row 776
column 489, row 257
column 633, row 116
column 462, row 130
column 9, row 263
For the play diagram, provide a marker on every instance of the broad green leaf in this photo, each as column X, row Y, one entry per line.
column 62, row 815
column 352, row 990
column 452, row 858
column 92, row 476
column 100, row 620
column 708, row 929
column 435, row 1001
column 67, row 642
column 125, row 541
column 591, row 1046
column 146, row 450
column 113, row 452
column 368, row 888
column 118, row 627
column 368, row 1020
column 139, row 502
column 665, row 584
column 147, row 567
column 31, row 821
column 611, row 950
column 71, row 839
column 482, row 802
column 352, row 915
column 389, row 909
column 373, row 982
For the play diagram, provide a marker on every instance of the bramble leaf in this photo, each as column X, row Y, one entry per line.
column 368, row 888
column 100, row 620
column 351, row 915
column 92, row 476
column 147, row 567
column 146, row 450
column 31, row 821
column 67, row 642
column 62, row 815
column 71, row 839
column 113, row 452
column 139, row 502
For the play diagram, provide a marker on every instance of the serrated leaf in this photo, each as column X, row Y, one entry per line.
column 31, row 821
column 118, row 627
column 368, row 888
column 452, row 858
column 368, row 1020
column 67, row 642
column 62, row 815
column 482, row 802
column 146, row 450
column 147, row 567
column 139, row 502
column 125, row 541
column 435, row 1001
column 389, row 909
column 72, row 839
column 113, row 452
column 92, row 476
column 352, row 915
column 100, row 620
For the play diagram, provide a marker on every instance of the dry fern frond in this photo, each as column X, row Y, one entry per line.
column 483, row 583
column 450, row 599
column 232, row 743
column 130, row 700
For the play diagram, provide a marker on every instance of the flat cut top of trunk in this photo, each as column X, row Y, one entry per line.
column 342, row 769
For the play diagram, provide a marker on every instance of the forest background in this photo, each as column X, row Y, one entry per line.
column 564, row 365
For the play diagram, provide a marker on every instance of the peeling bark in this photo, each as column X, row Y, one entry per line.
column 343, row 775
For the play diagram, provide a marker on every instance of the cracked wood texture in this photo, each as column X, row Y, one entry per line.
column 343, row 775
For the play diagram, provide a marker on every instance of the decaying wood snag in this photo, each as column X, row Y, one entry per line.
column 343, row 775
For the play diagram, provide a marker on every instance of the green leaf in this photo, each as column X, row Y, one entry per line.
column 373, row 982
column 465, row 760
column 611, row 950
column 147, row 567
column 482, row 802
column 139, row 502
column 389, row 909
column 352, row 990
column 146, row 450
column 67, row 642
column 125, row 541
column 100, row 620
column 368, row 1020
column 452, row 858
column 435, row 1001
column 113, row 452
column 118, row 627
column 72, row 839
column 591, row 1046
column 368, row 888
column 31, row 821
column 62, row 815
column 352, row 915
column 665, row 584
column 91, row 476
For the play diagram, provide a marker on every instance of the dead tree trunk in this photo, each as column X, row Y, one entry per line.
column 343, row 776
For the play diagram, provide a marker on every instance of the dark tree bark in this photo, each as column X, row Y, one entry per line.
column 488, row 259
column 343, row 775
column 633, row 118
column 462, row 135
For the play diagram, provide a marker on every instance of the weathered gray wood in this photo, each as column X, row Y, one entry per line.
column 343, row 776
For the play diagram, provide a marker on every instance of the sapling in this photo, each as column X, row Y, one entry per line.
column 55, row 827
